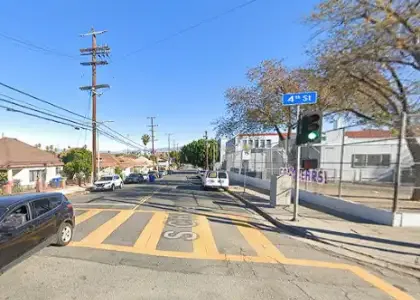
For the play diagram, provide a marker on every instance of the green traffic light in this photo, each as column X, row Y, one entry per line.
column 312, row 135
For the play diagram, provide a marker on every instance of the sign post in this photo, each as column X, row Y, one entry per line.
column 291, row 100
column 246, row 156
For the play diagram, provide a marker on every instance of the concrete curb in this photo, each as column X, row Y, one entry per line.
column 342, row 250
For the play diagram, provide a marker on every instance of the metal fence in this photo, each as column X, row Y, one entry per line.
column 370, row 166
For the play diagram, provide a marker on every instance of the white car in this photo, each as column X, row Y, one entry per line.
column 215, row 179
column 108, row 182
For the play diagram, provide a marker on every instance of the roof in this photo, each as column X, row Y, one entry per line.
column 108, row 160
column 7, row 201
column 370, row 133
column 126, row 162
column 264, row 134
column 142, row 162
column 17, row 154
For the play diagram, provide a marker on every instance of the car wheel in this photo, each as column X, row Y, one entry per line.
column 64, row 234
column 113, row 188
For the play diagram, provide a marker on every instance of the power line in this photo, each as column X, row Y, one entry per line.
column 75, row 126
column 32, row 46
column 192, row 27
column 60, row 108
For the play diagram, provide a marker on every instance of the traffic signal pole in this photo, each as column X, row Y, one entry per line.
column 297, row 177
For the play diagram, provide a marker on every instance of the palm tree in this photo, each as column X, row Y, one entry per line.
column 145, row 139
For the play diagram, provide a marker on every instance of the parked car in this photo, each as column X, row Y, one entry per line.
column 162, row 173
column 215, row 179
column 33, row 220
column 108, row 182
column 201, row 173
column 134, row 178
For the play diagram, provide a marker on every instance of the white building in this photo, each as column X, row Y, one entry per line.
column 25, row 163
column 368, row 155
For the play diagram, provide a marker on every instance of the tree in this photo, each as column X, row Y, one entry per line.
column 175, row 157
column 258, row 108
column 145, row 139
column 195, row 152
column 369, row 61
column 118, row 171
column 77, row 163
column 38, row 146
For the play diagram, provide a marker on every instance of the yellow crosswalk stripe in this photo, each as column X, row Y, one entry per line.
column 102, row 232
column 257, row 240
column 87, row 215
column 205, row 244
column 151, row 234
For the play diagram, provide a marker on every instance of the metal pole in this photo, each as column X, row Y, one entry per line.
column 341, row 162
column 244, row 175
column 397, row 181
column 296, row 202
column 99, row 153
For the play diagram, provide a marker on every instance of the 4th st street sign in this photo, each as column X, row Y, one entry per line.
column 299, row 98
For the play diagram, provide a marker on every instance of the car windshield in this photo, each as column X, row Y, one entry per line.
column 132, row 175
column 106, row 178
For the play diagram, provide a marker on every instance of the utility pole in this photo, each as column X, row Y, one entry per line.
column 169, row 149
column 152, row 130
column 207, row 150
column 95, row 51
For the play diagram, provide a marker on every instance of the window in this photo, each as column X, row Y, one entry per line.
column 33, row 175
column 116, row 177
column 17, row 217
column 371, row 160
column 212, row 175
column 250, row 143
column 268, row 143
column 54, row 202
column 262, row 144
column 257, row 143
column 40, row 207
column 244, row 143
column 222, row 175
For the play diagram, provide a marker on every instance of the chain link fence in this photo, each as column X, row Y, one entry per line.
column 370, row 166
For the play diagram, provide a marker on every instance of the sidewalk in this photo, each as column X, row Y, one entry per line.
column 396, row 248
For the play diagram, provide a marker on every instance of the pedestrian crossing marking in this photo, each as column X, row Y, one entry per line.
column 151, row 234
column 205, row 245
column 257, row 240
column 102, row 232
column 87, row 215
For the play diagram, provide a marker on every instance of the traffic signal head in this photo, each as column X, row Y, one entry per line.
column 309, row 128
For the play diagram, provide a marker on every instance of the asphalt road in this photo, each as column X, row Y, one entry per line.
column 171, row 240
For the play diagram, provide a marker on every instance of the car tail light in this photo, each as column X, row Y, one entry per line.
column 70, row 205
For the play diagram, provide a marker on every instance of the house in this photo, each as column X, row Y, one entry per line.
column 107, row 163
column 24, row 163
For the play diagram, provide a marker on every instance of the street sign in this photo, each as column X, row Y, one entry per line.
column 299, row 98
column 246, row 154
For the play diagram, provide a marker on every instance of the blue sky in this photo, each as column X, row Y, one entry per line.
column 180, row 81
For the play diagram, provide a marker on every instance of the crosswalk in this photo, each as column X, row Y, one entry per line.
column 198, row 235
column 195, row 235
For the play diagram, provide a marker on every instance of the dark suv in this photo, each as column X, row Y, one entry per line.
column 32, row 220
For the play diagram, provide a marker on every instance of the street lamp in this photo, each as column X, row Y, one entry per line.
column 97, row 143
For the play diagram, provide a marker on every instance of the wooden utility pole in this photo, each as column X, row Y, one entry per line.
column 94, row 52
column 152, row 130
column 169, row 150
column 207, row 150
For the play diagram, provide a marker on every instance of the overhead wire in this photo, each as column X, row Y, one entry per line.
column 191, row 27
column 32, row 46
column 66, row 110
